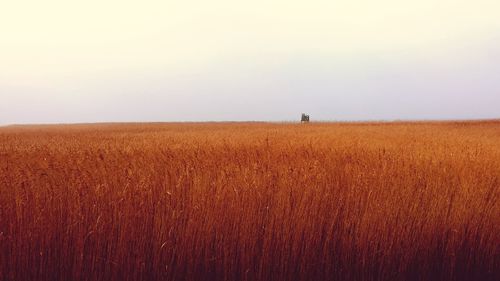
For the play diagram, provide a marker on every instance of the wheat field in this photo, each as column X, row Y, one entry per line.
column 251, row 201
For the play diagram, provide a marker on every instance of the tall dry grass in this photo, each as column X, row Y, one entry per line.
column 250, row 201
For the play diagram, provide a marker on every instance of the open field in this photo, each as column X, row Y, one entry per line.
column 251, row 201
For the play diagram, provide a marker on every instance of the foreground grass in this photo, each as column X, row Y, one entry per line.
column 250, row 201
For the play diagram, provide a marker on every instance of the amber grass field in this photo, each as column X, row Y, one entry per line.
column 251, row 201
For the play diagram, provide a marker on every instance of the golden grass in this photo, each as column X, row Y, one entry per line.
column 251, row 201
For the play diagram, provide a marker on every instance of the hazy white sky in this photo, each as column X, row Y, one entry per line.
column 91, row 61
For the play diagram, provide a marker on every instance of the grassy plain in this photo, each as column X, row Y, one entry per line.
column 251, row 201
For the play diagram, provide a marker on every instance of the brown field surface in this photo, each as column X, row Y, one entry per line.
column 251, row 201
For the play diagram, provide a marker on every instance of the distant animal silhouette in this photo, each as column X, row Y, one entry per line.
column 304, row 118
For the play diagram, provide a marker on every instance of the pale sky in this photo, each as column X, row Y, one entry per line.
column 100, row 61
